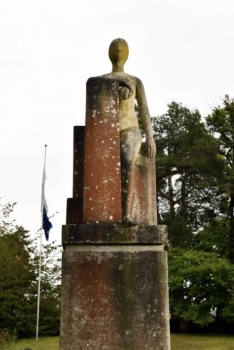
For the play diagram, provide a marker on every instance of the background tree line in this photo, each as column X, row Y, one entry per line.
column 195, row 193
column 19, row 261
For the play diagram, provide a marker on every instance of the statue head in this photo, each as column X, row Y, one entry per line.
column 118, row 51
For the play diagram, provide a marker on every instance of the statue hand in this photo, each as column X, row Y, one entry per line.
column 124, row 93
column 150, row 148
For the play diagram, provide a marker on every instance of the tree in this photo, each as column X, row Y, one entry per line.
column 186, row 158
column 201, row 286
column 194, row 188
column 18, row 280
column 214, row 239
column 17, row 275
column 221, row 124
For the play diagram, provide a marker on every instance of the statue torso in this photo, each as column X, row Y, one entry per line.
column 127, row 115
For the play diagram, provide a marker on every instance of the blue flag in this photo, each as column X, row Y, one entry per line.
column 46, row 224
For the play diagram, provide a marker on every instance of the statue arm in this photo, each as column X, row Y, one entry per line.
column 145, row 118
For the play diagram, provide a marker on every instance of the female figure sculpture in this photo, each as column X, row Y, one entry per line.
column 130, row 136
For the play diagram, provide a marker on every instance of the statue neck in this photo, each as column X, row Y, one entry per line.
column 117, row 67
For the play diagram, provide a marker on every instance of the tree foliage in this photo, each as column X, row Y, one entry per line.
column 221, row 124
column 200, row 284
column 18, row 280
column 195, row 190
column 186, row 157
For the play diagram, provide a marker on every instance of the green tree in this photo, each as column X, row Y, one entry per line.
column 194, row 188
column 186, row 158
column 17, row 275
column 206, row 283
column 214, row 239
column 221, row 124
column 18, row 280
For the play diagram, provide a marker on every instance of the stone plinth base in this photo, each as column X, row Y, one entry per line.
column 114, row 294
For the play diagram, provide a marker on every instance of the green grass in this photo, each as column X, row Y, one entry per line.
column 178, row 342
column 201, row 342
column 44, row 343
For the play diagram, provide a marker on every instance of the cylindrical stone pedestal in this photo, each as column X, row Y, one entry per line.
column 114, row 288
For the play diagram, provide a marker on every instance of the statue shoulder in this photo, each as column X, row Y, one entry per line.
column 138, row 82
column 108, row 75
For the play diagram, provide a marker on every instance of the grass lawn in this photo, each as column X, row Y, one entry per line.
column 201, row 342
column 178, row 342
column 44, row 343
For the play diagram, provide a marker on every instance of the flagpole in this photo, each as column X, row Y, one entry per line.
column 39, row 272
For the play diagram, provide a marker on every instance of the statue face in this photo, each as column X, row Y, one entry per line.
column 118, row 51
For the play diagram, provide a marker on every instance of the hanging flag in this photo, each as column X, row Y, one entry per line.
column 46, row 224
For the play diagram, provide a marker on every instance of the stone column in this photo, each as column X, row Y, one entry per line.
column 102, row 172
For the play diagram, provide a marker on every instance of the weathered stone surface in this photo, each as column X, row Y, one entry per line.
column 78, row 160
column 102, row 173
column 113, row 233
column 114, row 267
column 74, row 210
column 97, row 193
column 75, row 204
column 130, row 136
column 144, row 202
column 114, row 299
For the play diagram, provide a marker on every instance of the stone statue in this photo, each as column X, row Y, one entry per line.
column 114, row 291
column 130, row 136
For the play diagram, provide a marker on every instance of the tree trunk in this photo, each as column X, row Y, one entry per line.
column 219, row 323
column 171, row 199
column 183, row 325
column 183, row 200
column 231, row 231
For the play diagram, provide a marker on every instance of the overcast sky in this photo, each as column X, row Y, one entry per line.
column 182, row 50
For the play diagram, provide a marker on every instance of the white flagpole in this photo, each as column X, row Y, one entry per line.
column 39, row 273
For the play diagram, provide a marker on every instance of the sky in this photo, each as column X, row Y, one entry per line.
column 182, row 50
